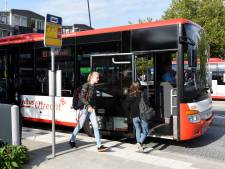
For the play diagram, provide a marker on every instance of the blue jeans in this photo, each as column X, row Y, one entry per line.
column 141, row 128
column 93, row 119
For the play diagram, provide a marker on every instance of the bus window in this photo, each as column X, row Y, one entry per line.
column 196, row 55
column 145, row 70
column 2, row 66
column 64, row 62
column 83, row 68
column 3, row 80
column 115, row 79
column 43, row 63
column 121, row 74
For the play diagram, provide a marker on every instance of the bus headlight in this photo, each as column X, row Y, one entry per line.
column 193, row 116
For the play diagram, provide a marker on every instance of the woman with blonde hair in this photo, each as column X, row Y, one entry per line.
column 87, row 100
column 141, row 126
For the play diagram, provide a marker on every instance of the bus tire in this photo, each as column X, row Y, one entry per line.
column 88, row 129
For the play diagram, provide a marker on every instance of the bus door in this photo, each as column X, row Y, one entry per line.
column 162, row 95
column 116, row 74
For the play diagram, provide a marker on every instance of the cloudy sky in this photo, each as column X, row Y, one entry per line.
column 104, row 13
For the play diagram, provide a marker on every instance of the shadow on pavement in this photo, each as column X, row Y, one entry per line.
column 40, row 155
column 214, row 133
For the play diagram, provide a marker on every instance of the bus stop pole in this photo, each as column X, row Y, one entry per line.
column 52, row 94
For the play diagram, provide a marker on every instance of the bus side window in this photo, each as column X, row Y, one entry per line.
column 221, row 80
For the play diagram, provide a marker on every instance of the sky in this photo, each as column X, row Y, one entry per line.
column 104, row 13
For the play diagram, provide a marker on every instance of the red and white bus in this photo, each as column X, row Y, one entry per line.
column 217, row 70
column 183, row 110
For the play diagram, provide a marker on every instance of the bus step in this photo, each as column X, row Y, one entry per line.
column 165, row 130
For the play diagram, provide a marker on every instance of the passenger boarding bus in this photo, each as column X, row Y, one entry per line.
column 217, row 70
column 137, row 52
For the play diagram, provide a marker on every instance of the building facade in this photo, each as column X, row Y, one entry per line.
column 75, row 28
column 18, row 21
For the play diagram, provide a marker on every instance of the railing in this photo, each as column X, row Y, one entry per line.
column 173, row 94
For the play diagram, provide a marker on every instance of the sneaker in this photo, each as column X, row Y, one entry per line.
column 140, row 147
column 102, row 148
column 72, row 144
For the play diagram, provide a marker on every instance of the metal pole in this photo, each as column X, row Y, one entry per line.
column 6, row 5
column 52, row 94
column 15, row 125
column 89, row 13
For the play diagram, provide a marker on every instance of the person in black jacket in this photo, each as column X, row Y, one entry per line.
column 141, row 126
column 87, row 99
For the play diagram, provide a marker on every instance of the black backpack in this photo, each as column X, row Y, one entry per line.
column 77, row 104
column 76, row 98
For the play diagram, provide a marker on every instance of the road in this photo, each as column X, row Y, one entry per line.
column 219, row 108
column 209, row 146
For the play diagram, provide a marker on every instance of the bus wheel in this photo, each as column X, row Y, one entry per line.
column 88, row 129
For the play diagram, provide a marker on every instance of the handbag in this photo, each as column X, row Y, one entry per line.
column 146, row 112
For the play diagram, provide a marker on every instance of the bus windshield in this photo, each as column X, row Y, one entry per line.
column 195, row 62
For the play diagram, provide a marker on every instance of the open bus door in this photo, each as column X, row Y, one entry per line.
column 162, row 95
column 116, row 74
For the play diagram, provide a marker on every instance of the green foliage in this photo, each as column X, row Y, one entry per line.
column 210, row 14
column 148, row 19
column 143, row 63
column 13, row 157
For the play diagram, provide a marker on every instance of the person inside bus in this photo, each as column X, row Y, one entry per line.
column 87, row 99
column 132, row 101
column 169, row 75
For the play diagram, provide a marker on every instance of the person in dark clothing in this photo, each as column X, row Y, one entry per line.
column 87, row 99
column 141, row 126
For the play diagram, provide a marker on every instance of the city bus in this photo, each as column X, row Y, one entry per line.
column 217, row 70
column 122, row 55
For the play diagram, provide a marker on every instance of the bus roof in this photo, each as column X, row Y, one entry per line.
column 35, row 37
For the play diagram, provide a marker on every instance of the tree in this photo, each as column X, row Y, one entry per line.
column 210, row 14
column 148, row 19
column 143, row 63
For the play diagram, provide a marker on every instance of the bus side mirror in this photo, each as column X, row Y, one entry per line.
column 192, row 58
column 186, row 40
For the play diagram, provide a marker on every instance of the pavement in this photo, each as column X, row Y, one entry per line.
column 120, row 155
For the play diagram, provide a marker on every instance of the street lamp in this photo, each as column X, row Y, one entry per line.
column 89, row 13
column 6, row 5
